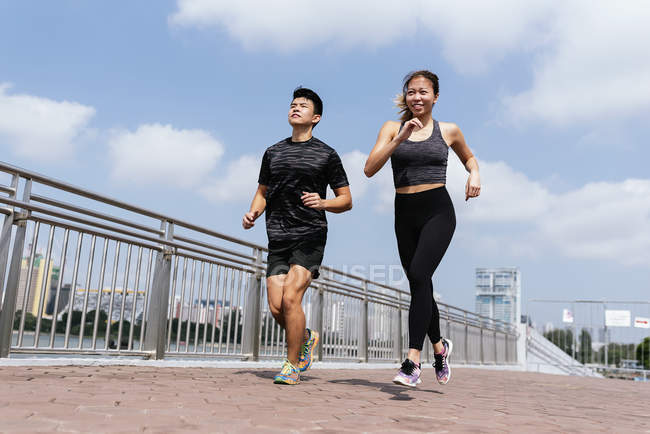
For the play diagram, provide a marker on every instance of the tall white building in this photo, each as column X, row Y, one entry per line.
column 498, row 293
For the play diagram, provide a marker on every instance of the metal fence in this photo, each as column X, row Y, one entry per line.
column 82, row 273
column 617, row 348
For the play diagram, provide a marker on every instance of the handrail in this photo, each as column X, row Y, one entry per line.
column 237, row 283
column 474, row 318
column 42, row 179
column 8, row 190
column 80, row 210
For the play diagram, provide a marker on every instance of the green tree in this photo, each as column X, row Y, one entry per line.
column 615, row 353
column 585, row 351
column 643, row 353
column 562, row 338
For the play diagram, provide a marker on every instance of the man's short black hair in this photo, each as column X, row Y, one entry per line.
column 303, row 92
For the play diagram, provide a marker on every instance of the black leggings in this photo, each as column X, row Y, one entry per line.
column 424, row 225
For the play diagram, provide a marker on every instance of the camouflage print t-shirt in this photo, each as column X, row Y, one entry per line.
column 288, row 169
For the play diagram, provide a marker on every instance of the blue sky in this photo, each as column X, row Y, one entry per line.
column 170, row 104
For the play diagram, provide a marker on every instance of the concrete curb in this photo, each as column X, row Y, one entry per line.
column 223, row 364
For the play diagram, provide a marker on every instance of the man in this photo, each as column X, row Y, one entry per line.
column 292, row 186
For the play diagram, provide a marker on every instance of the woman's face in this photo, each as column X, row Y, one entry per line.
column 419, row 96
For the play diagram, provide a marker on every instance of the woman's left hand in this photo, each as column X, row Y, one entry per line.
column 473, row 186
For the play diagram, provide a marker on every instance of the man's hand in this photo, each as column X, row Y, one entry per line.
column 312, row 200
column 249, row 219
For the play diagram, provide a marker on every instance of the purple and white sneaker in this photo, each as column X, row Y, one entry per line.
column 441, row 363
column 409, row 374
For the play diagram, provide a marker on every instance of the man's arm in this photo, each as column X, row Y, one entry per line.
column 257, row 207
column 341, row 203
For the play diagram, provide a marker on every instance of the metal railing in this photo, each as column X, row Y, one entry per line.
column 82, row 273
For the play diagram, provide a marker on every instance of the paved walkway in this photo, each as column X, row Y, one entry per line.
column 167, row 400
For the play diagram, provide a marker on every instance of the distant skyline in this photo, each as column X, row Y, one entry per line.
column 171, row 104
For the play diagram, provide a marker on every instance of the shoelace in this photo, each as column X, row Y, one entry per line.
column 408, row 367
column 287, row 369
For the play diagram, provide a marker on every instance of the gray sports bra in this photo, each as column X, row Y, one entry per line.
column 423, row 162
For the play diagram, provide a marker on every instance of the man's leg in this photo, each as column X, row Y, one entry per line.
column 295, row 285
column 274, row 290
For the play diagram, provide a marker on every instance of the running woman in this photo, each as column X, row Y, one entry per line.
column 418, row 147
column 292, row 186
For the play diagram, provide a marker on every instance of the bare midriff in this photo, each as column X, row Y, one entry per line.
column 417, row 188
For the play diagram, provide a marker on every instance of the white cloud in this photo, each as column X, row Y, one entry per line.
column 475, row 35
column 587, row 57
column 161, row 154
column 603, row 221
column 592, row 68
column 237, row 183
column 506, row 195
column 606, row 220
column 289, row 25
column 41, row 128
column 379, row 188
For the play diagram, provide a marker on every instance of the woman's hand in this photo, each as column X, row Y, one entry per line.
column 408, row 128
column 473, row 186
column 312, row 200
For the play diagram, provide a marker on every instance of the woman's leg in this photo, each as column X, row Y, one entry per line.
column 433, row 240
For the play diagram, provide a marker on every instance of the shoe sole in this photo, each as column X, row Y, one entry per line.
column 285, row 381
column 401, row 382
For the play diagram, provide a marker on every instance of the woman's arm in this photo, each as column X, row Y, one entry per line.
column 257, row 207
column 341, row 203
column 389, row 138
column 458, row 144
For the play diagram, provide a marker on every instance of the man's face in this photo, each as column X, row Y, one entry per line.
column 301, row 112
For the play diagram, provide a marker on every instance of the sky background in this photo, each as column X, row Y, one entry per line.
column 171, row 104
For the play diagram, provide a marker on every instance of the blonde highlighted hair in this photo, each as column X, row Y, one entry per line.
column 400, row 99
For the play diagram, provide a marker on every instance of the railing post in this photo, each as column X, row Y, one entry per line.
column 13, row 280
column 398, row 337
column 448, row 326
column 466, row 339
column 317, row 308
column 5, row 237
column 158, row 307
column 252, row 310
column 363, row 335
column 496, row 347
column 482, row 349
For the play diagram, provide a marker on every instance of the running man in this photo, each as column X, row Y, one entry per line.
column 425, row 220
column 292, row 187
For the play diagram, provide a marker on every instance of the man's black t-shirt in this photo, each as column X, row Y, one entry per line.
column 288, row 169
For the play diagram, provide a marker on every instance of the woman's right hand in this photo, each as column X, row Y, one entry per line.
column 408, row 128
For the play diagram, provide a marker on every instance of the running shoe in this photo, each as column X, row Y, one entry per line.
column 288, row 375
column 441, row 363
column 409, row 374
column 307, row 351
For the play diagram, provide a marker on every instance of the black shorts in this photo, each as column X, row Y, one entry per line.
column 306, row 253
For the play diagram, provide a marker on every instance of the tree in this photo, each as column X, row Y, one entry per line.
column 585, row 352
column 643, row 353
column 563, row 338
column 615, row 353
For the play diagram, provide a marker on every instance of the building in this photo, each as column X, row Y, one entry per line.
column 498, row 293
column 41, row 280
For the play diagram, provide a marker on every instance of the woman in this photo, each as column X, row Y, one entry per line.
column 418, row 147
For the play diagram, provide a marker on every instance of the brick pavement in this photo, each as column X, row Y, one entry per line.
column 169, row 400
